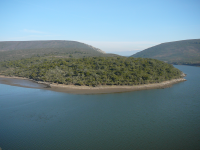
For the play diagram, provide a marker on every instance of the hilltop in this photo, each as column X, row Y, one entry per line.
column 14, row 50
column 186, row 52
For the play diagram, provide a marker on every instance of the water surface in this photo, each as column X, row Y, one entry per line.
column 150, row 119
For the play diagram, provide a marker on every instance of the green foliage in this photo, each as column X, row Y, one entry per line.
column 92, row 71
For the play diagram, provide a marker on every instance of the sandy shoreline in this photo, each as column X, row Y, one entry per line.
column 15, row 81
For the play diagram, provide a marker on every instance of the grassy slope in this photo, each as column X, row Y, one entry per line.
column 179, row 52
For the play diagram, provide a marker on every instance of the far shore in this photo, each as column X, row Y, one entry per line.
column 74, row 89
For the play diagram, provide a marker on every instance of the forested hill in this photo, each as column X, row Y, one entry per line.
column 91, row 71
column 21, row 45
column 186, row 52
column 13, row 50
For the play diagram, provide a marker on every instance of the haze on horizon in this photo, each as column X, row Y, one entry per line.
column 121, row 27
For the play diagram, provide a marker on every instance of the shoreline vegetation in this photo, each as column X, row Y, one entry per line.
column 75, row 89
column 93, row 74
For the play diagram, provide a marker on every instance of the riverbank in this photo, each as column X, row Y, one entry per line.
column 74, row 89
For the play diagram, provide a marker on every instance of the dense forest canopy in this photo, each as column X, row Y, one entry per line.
column 91, row 71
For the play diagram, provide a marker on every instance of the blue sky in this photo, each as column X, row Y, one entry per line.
column 115, row 26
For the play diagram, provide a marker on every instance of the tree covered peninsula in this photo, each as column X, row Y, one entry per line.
column 91, row 71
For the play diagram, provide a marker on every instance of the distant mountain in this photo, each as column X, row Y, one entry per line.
column 186, row 52
column 12, row 50
column 21, row 45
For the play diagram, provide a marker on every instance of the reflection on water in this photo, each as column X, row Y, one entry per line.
column 21, row 82
column 151, row 119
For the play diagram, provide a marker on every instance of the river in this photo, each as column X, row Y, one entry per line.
column 150, row 119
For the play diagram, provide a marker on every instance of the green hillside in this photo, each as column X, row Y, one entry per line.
column 14, row 50
column 91, row 71
column 186, row 52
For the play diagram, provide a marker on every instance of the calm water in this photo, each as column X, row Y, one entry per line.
column 152, row 119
